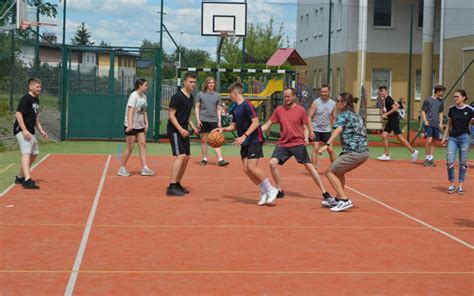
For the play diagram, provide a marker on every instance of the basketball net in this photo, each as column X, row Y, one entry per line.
column 228, row 34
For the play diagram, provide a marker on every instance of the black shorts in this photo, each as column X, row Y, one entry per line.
column 179, row 145
column 393, row 126
column 284, row 153
column 251, row 151
column 134, row 131
column 207, row 127
column 321, row 136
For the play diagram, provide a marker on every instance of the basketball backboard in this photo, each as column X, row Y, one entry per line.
column 218, row 17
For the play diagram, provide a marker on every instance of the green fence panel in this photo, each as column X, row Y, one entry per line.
column 89, row 116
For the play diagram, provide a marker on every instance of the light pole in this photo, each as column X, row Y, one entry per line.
column 179, row 49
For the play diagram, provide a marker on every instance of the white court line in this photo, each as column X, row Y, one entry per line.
column 85, row 236
column 32, row 168
column 413, row 218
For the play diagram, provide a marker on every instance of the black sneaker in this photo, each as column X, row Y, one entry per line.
column 174, row 190
column 432, row 163
column 222, row 163
column 19, row 180
column 281, row 194
column 426, row 163
column 29, row 184
column 180, row 187
column 326, row 195
column 203, row 162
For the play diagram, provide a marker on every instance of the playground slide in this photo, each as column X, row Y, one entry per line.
column 274, row 85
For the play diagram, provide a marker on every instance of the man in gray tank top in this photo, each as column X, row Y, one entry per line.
column 322, row 115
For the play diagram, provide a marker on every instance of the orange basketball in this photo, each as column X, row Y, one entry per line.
column 215, row 139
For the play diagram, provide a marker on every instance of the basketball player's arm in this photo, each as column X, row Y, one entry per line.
column 130, row 118
column 394, row 109
column 333, row 116
column 255, row 124
column 40, row 128
column 448, row 126
column 196, row 109
column 175, row 123
column 219, row 115
column 441, row 120
column 229, row 128
column 191, row 124
column 21, row 124
column 306, row 132
column 146, row 120
column 267, row 126
column 311, row 112
column 423, row 114
column 333, row 137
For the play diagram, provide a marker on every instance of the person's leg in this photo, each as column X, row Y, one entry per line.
column 250, row 167
column 25, row 165
column 141, row 139
column 385, row 143
column 336, row 184
column 275, row 172
column 182, row 169
column 218, row 154
column 204, row 146
column 128, row 150
column 315, row 176
column 405, row 143
column 332, row 155
column 450, row 160
column 463, row 146
column 176, row 169
column 314, row 153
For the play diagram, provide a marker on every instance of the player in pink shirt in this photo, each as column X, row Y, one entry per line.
column 294, row 136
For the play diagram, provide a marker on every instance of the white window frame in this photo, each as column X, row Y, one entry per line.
column 320, row 81
column 307, row 27
column 302, row 28
column 316, row 23
column 321, row 21
column 315, row 79
column 339, row 78
column 373, row 87
column 391, row 17
column 339, row 16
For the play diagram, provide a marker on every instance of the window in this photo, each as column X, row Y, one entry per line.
column 420, row 14
column 382, row 13
column 316, row 23
column 320, row 76
column 339, row 80
column 339, row 16
column 315, row 79
column 321, row 22
column 418, row 85
column 307, row 27
column 380, row 77
column 302, row 28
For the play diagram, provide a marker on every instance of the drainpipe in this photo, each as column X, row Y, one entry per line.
column 427, row 48
column 362, row 48
column 441, row 42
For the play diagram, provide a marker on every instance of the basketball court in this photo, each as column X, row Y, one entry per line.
column 88, row 231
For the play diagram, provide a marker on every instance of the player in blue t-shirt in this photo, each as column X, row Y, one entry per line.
column 250, row 139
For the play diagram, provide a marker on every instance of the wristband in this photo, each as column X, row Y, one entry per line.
column 327, row 144
column 245, row 134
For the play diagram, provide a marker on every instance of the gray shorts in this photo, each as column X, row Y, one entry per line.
column 347, row 162
column 27, row 147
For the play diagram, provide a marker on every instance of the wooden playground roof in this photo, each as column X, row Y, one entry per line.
column 283, row 55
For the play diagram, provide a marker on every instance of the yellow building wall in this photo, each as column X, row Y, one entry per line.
column 455, row 60
column 347, row 63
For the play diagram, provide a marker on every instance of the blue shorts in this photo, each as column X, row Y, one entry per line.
column 431, row 132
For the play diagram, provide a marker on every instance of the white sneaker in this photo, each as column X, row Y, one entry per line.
column 263, row 199
column 272, row 195
column 329, row 202
column 147, row 172
column 384, row 157
column 342, row 205
column 123, row 172
column 414, row 156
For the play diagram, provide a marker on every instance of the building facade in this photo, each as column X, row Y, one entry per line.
column 370, row 45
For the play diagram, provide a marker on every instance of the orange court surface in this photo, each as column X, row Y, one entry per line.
column 88, row 231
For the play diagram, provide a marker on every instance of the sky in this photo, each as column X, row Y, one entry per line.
column 128, row 22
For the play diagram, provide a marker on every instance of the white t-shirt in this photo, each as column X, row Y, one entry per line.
column 139, row 103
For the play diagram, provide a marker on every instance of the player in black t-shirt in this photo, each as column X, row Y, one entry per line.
column 179, row 117
column 459, row 119
column 24, row 131
column 390, row 113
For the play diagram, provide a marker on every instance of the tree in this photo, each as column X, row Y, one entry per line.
column 103, row 44
column 260, row 44
column 82, row 36
column 192, row 57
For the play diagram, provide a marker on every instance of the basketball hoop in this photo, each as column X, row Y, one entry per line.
column 228, row 34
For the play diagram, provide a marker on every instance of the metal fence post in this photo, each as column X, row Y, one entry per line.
column 410, row 55
column 64, row 91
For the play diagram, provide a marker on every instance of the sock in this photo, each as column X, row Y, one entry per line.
column 267, row 185
column 326, row 195
column 204, row 158
column 427, row 157
column 261, row 187
column 221, row 159
column 172, row 185
column 122, row 167
column 145, row 167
